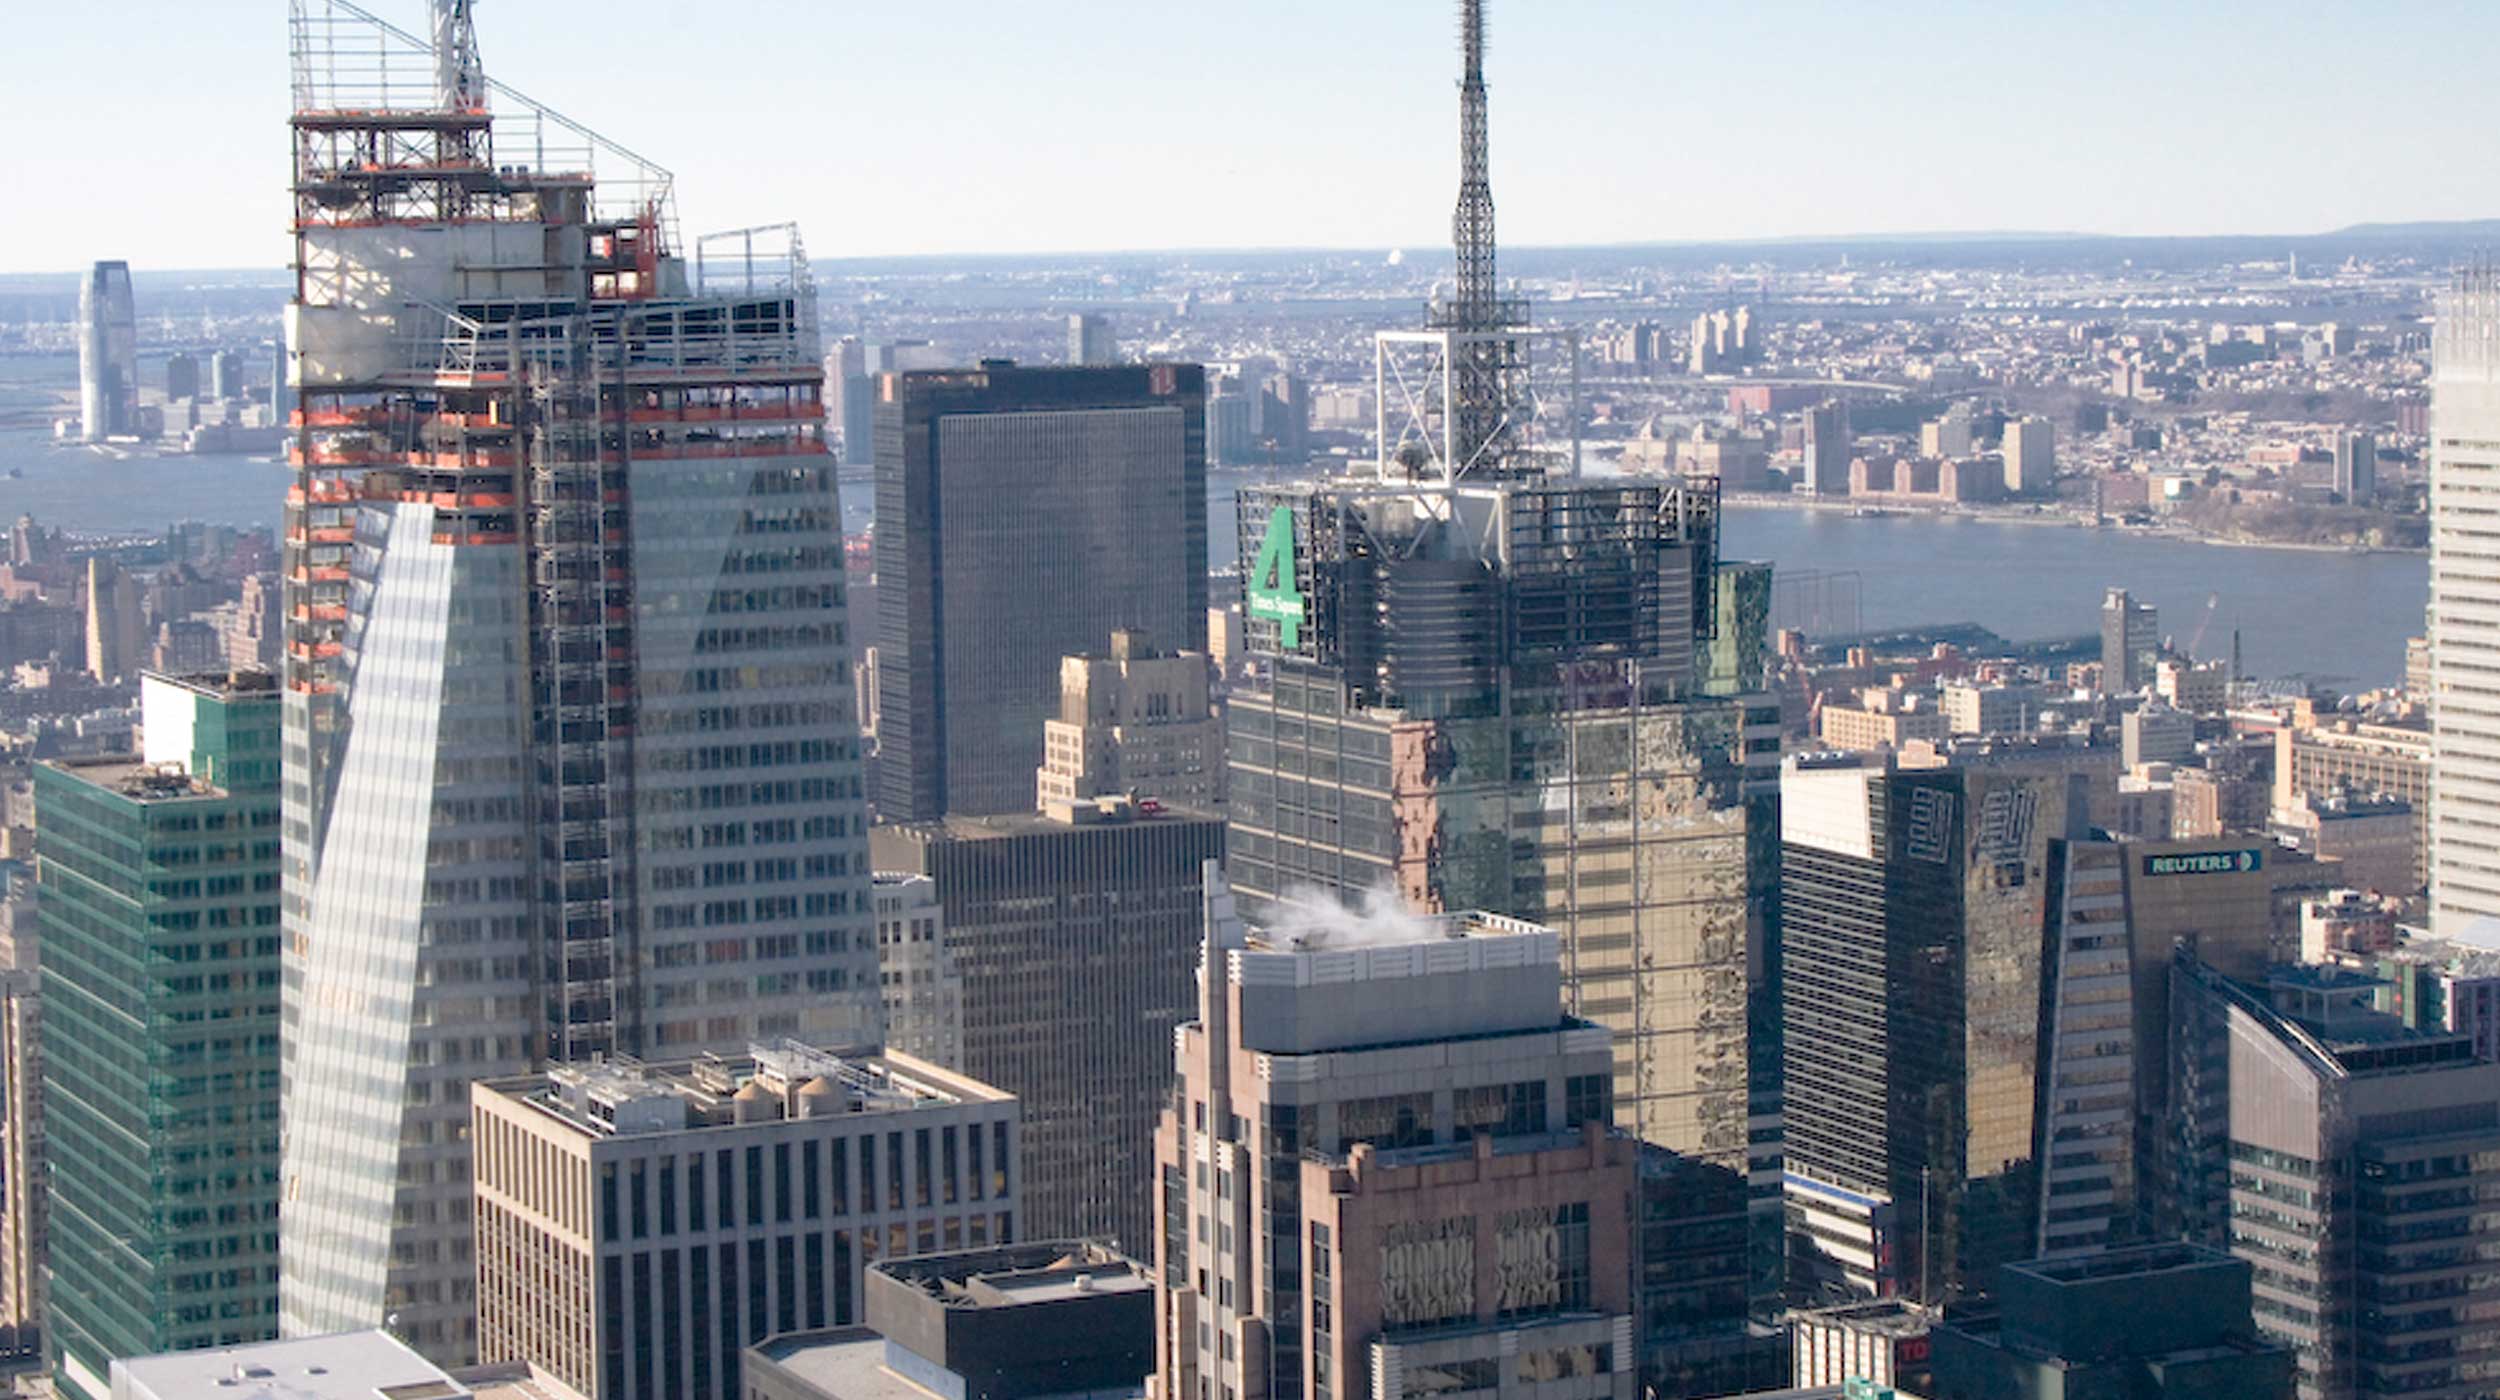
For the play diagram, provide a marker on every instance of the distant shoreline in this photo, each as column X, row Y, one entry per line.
column 2048, row 518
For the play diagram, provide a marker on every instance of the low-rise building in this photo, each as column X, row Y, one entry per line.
column 1883, row 1341
column 1989, row 709
column 1052, row 1318
column 639, row 1226
column 1133, row 722
column 2157, row 1322
column 1884, row 721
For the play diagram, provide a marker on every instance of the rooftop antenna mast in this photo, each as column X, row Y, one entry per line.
column 1472, row 224
column 1480, row 394
column 1466, row 404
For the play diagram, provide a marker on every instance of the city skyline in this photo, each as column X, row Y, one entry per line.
column 739, row 786
column 2092, row 146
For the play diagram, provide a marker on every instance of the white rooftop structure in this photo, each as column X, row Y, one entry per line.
column 368, row 1365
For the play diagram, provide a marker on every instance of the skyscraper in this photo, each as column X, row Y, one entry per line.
column 2465, row 610
column 1913, row 905
column 24, row 1190
column 2356, row 467
column 1022, row 516
column 1090, row 341
column 1828, row 449
column 2030, row 451
column 2349, row 1160
column 916, row 973
column 2130, row 643
column 1073, row 942
column 571, row 761
column 1133, row 722
column 160, row 913
column 108, row 353
column 116, row 627
column 1390, row 1153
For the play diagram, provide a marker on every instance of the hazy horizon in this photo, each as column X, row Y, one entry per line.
column 994, row 128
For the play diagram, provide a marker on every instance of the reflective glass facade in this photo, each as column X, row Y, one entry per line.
column 1022, row 516
column 1914, row 913
column 572, row 761
column 1491, row 698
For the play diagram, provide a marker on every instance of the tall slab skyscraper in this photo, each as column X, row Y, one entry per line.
column 108, row 353
column 571, row 765
column 1023, row 515
column 2465, row 611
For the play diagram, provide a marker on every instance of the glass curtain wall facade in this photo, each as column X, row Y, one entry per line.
column 1023, row 515
column 572, row 763
column 1914, row 910
column 1490, row 697
column 159, row 916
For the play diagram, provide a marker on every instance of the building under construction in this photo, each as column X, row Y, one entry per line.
column 571, row 769
column 1482, row 685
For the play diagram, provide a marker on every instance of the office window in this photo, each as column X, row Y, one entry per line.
column 949, row 1191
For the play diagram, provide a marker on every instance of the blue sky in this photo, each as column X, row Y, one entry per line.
column 153, row 129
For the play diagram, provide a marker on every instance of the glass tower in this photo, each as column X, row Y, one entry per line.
column 572, row 765
column 159, row 913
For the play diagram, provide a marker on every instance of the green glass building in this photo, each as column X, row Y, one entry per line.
column 159, row 914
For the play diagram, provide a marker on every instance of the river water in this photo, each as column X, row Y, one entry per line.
column 2337, row 619
column 2340, row 619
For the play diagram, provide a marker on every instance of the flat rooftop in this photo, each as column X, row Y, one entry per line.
column 624, row 1097
column 369, row 1365
column 1013, row 1275
column 128, row 775
column 2141, row 1261
column 1886, row 1317
column 844, row 1361
column 1318, row 928
column 1110, row 816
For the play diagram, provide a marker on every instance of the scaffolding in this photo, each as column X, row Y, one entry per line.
column 386, row 120
column 491, row 324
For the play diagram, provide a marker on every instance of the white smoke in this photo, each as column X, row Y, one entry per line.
column 1319, row 918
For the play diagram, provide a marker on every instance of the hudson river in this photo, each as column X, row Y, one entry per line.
column 2338, row 619
column 2341, row 619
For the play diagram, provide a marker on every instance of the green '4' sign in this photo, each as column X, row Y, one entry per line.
column 1273, row 594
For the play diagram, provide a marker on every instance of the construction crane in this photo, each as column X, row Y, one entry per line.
column 2203, row 621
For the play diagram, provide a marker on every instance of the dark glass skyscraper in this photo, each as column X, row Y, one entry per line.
column 1913, row 910
column 1022, row 515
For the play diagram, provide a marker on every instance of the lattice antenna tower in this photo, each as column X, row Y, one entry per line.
column 1471, row 225
column 1459, row 398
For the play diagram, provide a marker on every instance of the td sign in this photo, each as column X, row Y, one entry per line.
column 1273, row 593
